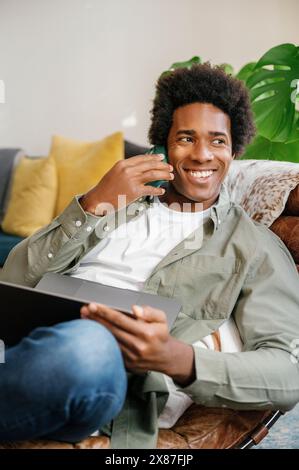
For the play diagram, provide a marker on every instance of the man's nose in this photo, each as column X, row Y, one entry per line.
column 202, row 153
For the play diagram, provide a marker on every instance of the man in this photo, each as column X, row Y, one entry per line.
column 224, row 268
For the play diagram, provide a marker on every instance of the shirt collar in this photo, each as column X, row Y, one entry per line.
column 219, row 210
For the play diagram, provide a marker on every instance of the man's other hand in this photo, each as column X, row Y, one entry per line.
column 145, row 341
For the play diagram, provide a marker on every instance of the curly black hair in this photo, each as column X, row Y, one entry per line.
column 202, row 83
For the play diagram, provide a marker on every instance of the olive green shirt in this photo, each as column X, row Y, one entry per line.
column 238, row 267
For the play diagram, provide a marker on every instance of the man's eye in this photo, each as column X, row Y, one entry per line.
column 219, row 141
column 185, row 139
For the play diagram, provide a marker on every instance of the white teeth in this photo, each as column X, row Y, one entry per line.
column 201, row 174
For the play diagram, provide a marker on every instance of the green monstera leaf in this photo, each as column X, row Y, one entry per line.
column 263, row 149
column 246, row 71
column 228, row 68
column 177, row 65
column 274, row 92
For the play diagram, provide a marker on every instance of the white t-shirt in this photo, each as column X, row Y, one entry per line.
column 178, row 401
column 126, row 257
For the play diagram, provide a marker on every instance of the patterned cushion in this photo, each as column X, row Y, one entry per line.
column 262, row 187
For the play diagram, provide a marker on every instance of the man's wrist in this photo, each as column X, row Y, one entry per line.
column 95, row 207
column 86, row 205
column 181, row 364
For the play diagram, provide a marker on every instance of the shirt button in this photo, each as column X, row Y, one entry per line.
column 50, row 255
column 140, row 208
column 78, row 223
column 88, row 229
column 106, row 228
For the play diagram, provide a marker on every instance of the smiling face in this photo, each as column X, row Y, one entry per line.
column 199, row 148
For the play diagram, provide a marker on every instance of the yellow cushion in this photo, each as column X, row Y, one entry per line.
column 33, row 196
column 81, row 165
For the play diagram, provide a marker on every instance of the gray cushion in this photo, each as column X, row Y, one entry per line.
column 131, row 150
column 9, row 157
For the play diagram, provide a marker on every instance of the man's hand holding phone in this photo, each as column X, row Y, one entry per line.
column 129, row 178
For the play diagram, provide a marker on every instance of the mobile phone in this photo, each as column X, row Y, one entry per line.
column 155, row 150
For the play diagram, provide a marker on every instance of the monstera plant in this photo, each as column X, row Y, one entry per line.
column 273, row 83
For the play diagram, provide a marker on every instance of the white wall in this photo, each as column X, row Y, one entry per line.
column 79, row 68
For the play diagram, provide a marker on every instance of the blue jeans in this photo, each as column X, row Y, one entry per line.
column 63, row 382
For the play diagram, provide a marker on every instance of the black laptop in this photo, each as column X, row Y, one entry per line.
column 58, row 298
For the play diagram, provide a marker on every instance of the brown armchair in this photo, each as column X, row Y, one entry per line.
column 200, row 427
column 287, row 225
